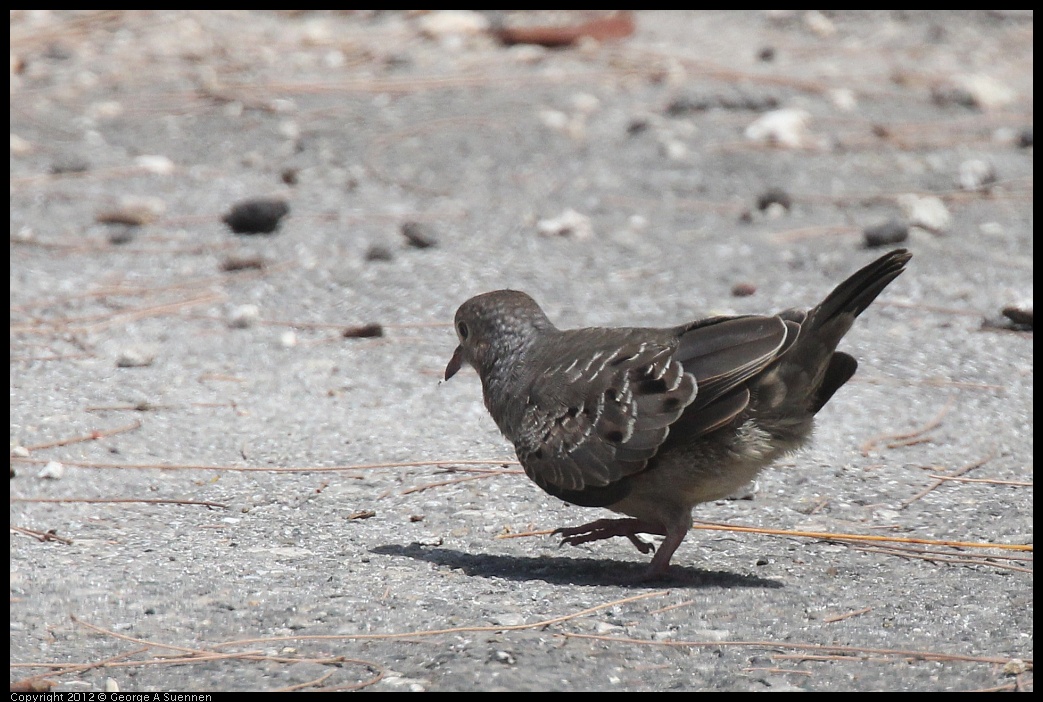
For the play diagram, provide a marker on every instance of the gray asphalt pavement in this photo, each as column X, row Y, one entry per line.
column 210, row 457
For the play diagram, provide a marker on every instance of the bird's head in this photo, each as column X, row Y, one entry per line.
column 495, row 328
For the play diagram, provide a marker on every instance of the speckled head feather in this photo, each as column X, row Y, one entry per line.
column 494, row 328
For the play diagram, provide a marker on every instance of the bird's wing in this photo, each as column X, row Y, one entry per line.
column 598, row 415
column 724, row 354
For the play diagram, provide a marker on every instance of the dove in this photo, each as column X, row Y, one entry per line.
column 650, row 422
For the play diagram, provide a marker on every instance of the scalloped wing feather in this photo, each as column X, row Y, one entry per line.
column 614, row 412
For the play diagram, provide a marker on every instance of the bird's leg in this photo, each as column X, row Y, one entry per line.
column 661, row 560
column 607, row 528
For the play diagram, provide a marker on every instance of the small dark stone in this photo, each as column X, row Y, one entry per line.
column 418, row 235
column 121, row 235
column 773, row 196
column 257, row 216
column 69, row 164
column 960, row 97
column 637, row 126
column 1025, row 138
column 893, row 231
column 1004, row 324
column 766, row 54
column 755, row 103
column 687, row 103
column 398, row 60
column 366, row 331
column 743, row 289
column 289, row 176
column 376, row 252
column 1019, row 315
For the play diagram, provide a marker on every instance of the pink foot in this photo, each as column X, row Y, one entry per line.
column 607, row 528
column 630, row 528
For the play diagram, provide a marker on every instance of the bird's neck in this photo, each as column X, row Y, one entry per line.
column 507, row 377
column 501, row 384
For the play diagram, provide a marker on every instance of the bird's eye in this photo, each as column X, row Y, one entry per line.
column 462, row 329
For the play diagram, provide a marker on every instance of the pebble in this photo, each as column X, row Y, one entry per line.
column 135, row 357
column 637, row 125
column 158, row 165
column 419, row 235
column 843, row 99
column 988, row 93
column 244, row 316
column 568, row 223
column 378, row 252
column 976, row 174
column 554, row 119
column 366, row 331
column 121, row 235
column 673, row 149
column 1020, row 314
column 774, row 196
column 787, row 127
column 441, row 24
column 256, row 216
column 819, row 24
column 926, row 211
column 69, row 164
column 504, row 657
column 52, row 471
column 893, row 231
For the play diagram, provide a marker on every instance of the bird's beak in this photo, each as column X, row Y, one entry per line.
column 454, row 363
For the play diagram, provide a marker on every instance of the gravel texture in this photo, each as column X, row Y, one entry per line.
column 356, row 538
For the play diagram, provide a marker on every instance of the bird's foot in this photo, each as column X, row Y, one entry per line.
column 606, row 529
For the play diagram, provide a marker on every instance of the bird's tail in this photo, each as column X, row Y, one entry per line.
column 812, row 369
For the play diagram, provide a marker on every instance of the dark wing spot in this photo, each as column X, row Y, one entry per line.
column 651, row 387
column 671, row 404
column 615, row 436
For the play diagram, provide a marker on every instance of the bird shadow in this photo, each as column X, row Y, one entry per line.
column 570, row 570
